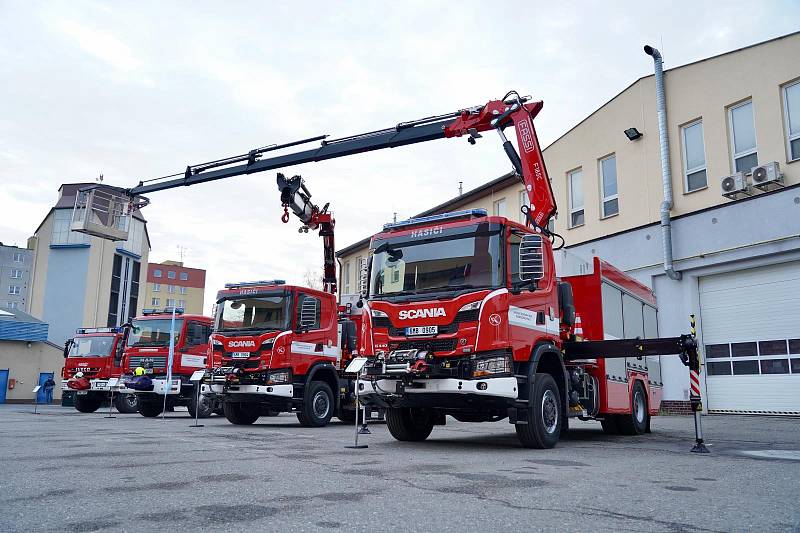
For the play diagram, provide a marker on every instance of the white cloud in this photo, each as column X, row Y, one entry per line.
column 102, row 45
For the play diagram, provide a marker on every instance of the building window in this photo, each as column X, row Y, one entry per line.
column 184, row 276
column 14, row 289
column 182, row 304
column 743, row 137
column 183, row 290
column 500, row 207
column 155, row 302
column 61, row 229
column 156, row 287
column 170, row 302
column 575, row 181
column 171, row 274
column 694, row 157
column 791, row 103
column 346, row 276
column 11, row 305
column 157, row 273
column 17, row 257
column 124, row 298
column 16, row 273
column 171, row 289
column 608, row 186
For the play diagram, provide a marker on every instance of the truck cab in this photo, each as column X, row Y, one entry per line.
column 147, row 347
column 281, row 349
column 91, row 358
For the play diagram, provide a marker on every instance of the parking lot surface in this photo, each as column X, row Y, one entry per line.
column 63, row 470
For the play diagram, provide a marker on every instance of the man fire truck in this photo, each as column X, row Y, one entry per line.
column 283, row 349
column 91, row 358
column 524, row 338
column 147, row 347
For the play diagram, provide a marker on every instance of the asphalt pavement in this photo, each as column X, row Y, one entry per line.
column 63, row 470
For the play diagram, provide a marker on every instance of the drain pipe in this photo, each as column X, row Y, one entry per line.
column 666, row 175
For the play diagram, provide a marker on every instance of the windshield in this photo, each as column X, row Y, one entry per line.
column 91, row 346
column 153, row 332
column 458, row 258
column 263, row 312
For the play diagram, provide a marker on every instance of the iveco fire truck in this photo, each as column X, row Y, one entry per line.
column 147, row 347
column 282, row 349
column 90, row 358
column 523, row 360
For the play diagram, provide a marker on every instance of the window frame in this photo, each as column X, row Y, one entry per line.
column 788, row 136
column 693, row 170
column 500, row 201
column 170, row 274
column 157, row 273
column 16, row 273
column 156, row 287
column 603, row 198
column 168, row 304
column 346, row 277
column 14, row 290
column 17, row 257
column 570, row 206
column 182, row 290
column 183, row 276
column 155, row 302
column 732, row 134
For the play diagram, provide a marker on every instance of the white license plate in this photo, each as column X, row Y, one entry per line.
column 240, row 355
column 148, row 370
column 100, row 384
column 422, row 330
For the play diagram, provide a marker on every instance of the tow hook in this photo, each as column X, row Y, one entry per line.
column 419, row 367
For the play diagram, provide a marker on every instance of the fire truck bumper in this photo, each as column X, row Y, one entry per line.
column 160, row 387
column 281, row 391
column 101, row 385
column 502, row 387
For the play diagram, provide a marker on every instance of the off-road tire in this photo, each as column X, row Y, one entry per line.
column 409, row 424
column 85, row 403
column 241, row 414
column 318, row 405
column 636, row 422
column 206, row 406
column 150, row 409
column 545, row 415
column 126, row 403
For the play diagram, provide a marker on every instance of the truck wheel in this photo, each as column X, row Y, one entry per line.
column 126, row 403
column 544, row 415
column 150, row 409
column 205, row 407
column 318, row 405
column 241, row 414
column 85, row 403
column 409, row 424
column 636, row 422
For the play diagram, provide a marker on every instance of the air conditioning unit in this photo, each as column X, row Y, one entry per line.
column 733, row 186
column 768, row 176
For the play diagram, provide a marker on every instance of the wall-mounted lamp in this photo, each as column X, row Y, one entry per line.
column 632, row 134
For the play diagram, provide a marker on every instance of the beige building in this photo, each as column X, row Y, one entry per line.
column 170, row 284
column 725, row 114
column 84, row 281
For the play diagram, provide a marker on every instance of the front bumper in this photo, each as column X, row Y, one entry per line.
column 281, row 391
column 504, row 387
column 160, row 387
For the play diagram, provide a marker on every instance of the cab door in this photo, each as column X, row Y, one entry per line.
column 312, row 341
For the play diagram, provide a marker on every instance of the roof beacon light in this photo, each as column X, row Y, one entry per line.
column 255, row 283
column 86, row 331
column 165, row 311
column 454, row 215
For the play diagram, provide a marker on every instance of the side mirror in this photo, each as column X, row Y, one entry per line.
column 531, row 258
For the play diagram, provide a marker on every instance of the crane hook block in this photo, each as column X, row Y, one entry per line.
column 285, row 216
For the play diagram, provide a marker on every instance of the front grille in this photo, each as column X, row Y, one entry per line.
column 463, row 316
column 148, row 361
column 433, row 345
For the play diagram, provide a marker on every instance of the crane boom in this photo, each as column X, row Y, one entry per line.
column 512, row 110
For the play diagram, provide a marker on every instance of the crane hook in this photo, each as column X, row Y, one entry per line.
column 285, row 216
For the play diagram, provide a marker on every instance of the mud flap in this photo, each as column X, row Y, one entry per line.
column 518, row 415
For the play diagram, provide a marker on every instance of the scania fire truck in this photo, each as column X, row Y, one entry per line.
column 147, row 347
column 282, row 348
column 91, row 358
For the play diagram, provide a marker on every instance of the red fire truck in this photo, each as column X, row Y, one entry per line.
column 282, row 348
column 95, row 355
column 147, row 347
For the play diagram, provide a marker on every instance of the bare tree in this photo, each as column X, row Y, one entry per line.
column 312, row 278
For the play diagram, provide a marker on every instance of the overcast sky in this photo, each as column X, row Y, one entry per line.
column 136, row 90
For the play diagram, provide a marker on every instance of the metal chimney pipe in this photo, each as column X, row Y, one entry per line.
column 666, row 174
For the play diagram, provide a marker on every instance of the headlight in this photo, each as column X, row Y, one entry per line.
column 216, row 342
column 379, row 314
column 491, row 366
column 279, row 377
column 268, row 344
column 471, row 307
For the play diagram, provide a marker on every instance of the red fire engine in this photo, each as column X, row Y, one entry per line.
column 522, row 360
column 147, row 347
column 282, row 349
column 90, row 358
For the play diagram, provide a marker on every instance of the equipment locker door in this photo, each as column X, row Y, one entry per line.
column 3, row 384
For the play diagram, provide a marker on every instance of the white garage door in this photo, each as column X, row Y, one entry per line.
column 751, row 333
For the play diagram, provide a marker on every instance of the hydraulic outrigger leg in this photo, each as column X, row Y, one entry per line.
column 693, row 362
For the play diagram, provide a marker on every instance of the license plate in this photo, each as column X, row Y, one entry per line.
column 240, row 355
column 148, row 370
column 422, row 330
column 100, row 384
